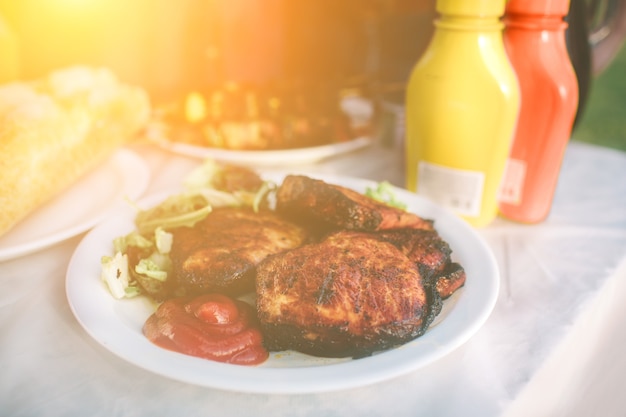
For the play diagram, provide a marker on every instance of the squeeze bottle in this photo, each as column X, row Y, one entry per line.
column 462, row 104
column 534, row 39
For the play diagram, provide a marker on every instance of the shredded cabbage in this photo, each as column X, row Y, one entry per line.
column 385, row 193
column 150, row 269
column 121, row 243
column 163, row 240
column 115, row 274
column 175, row 211
column 202, row 177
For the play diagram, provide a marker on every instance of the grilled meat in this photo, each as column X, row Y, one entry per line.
column 318, row 204
column 220, row 253
column 349, row 295
column 451, row 279
column 424, row 247
column 336, row 274
column 233, row 178
column 431, row 254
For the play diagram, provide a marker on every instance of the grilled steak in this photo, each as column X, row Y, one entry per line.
column 318, row 204
column 432, row 256
column 451, row 279
column 220, row 253
column 424, row 247
column 349, row 295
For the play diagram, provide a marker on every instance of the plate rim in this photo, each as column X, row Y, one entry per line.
column 267, row 157
column 294, row 380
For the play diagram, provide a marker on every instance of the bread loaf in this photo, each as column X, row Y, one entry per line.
column 56, row 129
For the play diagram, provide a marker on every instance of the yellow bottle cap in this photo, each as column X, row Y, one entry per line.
column 479, row 8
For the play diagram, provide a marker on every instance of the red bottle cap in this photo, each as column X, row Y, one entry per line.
column 538, row 7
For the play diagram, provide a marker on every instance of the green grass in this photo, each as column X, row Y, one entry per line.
column 603, row 120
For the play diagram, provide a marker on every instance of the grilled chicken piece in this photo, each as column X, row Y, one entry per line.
column 233, row 178
column 349, row 295
column 450, row 280
column 424, row 247
column 220, row 253
column 322, row 205
column 431, row 254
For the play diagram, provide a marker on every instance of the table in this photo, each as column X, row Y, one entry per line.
column 552, row 346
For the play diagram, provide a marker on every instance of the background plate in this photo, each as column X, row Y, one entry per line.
column 298, row 156
column 80, row 207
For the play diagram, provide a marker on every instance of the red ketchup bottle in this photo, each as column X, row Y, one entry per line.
column 534, row 38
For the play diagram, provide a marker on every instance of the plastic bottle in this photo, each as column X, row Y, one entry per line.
column 9, row 58
column 534, row 39
column 462, row 104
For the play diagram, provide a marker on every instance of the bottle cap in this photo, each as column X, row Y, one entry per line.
column 538, row 7
column 480, row 8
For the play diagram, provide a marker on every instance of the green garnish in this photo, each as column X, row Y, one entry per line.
column 385, row 193
column 150, row 269
column 178, row 210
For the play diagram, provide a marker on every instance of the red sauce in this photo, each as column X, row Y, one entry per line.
column 211, row 326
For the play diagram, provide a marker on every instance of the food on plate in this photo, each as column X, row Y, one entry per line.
column 210, row 326
column 431, row 254
column 330, row 271
column 451, row 279
column 373, row 282
column 351, row 294
column 151, row 257
column 330, row 206
column 220, row 253
column 426, row 248
column 55, row 129
column 247, row 117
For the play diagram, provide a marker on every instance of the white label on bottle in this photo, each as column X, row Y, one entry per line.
column 458, row 189
column 512, row 182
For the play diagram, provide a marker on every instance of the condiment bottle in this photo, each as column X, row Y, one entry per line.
column 534, row 39
column 462, row 104
column 9, row 58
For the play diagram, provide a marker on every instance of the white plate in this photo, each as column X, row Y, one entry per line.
column 117, row 324
column 298, row 156
column 80, row 207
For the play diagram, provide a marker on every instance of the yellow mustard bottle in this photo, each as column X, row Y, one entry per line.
column 9, row 57
column 462, row 106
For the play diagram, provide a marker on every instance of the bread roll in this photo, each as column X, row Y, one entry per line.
column 56, row 129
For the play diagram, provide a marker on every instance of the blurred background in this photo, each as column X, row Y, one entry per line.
column 603, row 120
column 174, row 47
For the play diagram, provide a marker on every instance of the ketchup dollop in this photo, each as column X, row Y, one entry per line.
column 211, row 326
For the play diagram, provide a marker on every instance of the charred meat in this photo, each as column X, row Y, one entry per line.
column 431, row 254
column 424, row 247
column 327, row 206
column 451, row 279
column 349, row 295
column 234, row 178
column 220, row 253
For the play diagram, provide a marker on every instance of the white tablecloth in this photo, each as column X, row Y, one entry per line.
column 552, row 346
